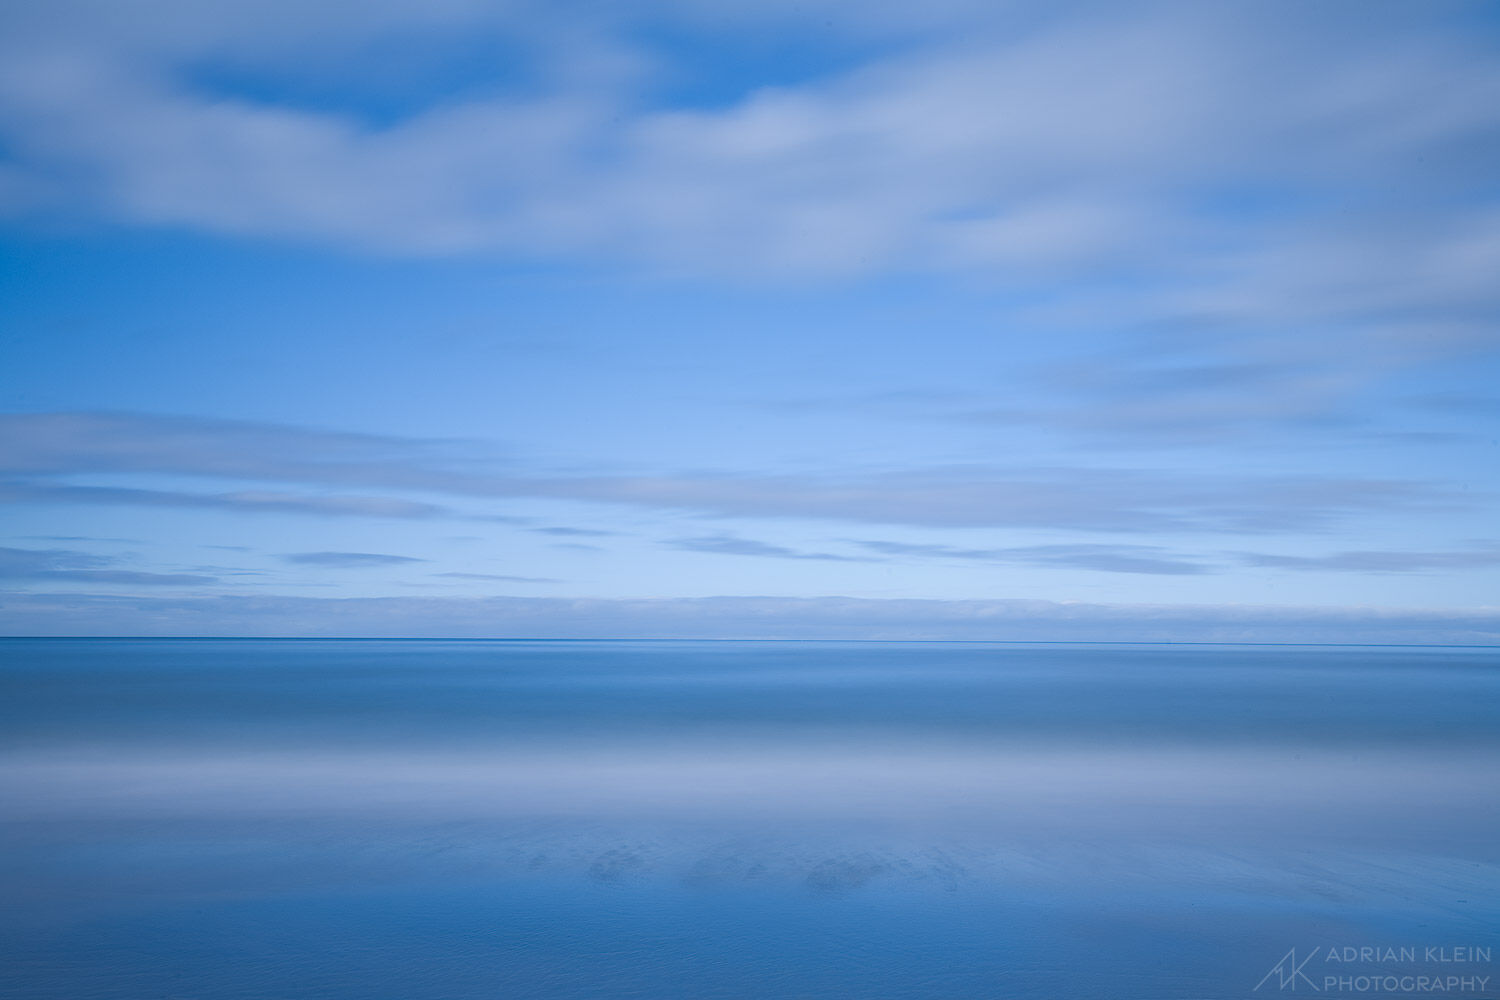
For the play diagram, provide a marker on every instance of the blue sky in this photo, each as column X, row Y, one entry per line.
column 475, row 317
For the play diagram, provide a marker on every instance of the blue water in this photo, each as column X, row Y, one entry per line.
column 205, row 819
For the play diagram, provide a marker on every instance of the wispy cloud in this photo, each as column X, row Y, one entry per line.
column 729, row 545
column 53, row 443
column 1088, row 499
column 1481, row 555
column 1108, row 558
column 1249, row 193
column 920, row 154
column 240, row 501
column 563, row 531
column 349, row 560
column 69, row 566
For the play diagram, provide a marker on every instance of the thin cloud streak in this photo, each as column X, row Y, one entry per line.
column 1152, row 559
column 349, row 560
column 562, row 531
column 241, row 501
column 730, row 545
column 1482, row 555
column 70, row 566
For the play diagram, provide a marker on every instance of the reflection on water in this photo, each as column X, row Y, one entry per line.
column 229, row 818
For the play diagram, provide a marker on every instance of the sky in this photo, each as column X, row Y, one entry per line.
column 1166, row 321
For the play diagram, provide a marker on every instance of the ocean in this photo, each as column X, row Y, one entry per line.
column 539, row 820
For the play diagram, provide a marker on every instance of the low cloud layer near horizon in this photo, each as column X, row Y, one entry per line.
column 829, row 618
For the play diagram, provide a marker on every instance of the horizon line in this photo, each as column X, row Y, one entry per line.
column 621, row 639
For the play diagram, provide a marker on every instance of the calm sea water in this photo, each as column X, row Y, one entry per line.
column 205, row 819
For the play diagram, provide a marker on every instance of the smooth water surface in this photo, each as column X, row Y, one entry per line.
column 408, row 820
